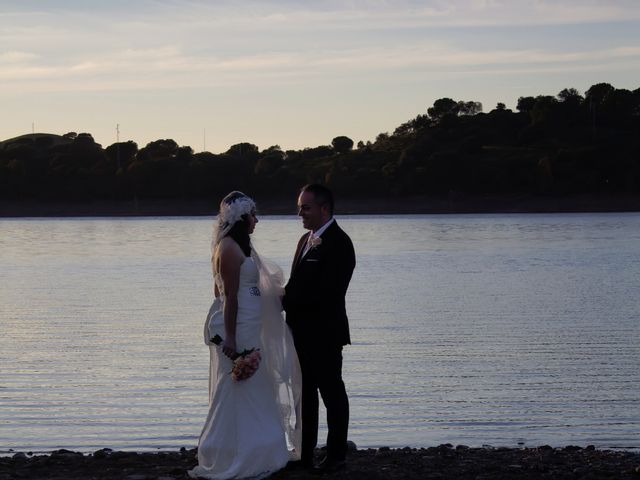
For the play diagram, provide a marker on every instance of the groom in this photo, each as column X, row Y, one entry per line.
column 315, row 305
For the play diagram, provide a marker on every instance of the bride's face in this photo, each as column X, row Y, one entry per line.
column 253, row 220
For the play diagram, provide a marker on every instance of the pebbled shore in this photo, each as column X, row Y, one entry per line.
column 442, row 462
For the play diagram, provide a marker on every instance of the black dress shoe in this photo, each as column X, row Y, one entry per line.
column 298, row 465
column 329, row 465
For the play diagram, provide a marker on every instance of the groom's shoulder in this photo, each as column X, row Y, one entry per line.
column 340, row 235
column 338, row 229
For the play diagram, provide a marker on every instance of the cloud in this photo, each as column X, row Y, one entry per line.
column 373, row 14
column 252, row 24
column 537, row 12
column 170, row 67
column 183, row 44
column 16, row 57
column 175, row 18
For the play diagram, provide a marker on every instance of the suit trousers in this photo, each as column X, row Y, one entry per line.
column 321, row 367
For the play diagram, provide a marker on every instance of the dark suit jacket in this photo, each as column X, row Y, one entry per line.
column 315, row 294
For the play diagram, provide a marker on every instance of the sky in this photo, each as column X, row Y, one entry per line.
column 210, row 74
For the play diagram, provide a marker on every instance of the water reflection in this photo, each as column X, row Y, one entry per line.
column 475, row 329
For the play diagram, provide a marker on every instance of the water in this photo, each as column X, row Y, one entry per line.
column 500, row 330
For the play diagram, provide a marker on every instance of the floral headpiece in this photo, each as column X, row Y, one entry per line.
column 230, row 214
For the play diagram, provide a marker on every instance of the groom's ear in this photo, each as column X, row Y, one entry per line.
column 326, row 211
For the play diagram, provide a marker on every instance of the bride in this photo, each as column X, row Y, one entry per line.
column 253, row 425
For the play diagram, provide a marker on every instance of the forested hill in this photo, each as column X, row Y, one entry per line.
column 567, row 144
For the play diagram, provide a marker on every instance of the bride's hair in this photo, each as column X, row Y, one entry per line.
column 240, row 233
column 233, row 220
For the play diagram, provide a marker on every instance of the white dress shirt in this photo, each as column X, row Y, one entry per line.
column 316, row 234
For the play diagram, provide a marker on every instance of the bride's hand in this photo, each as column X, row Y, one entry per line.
column 229, row 348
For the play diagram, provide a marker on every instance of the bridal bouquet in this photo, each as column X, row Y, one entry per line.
column 245, row 364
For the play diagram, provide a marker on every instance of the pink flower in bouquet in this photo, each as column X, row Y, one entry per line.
column 245, row 364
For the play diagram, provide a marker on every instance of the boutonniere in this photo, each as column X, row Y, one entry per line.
column 314, row 242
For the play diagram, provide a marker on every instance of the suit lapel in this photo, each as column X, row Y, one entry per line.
column 297, row 260
column 298, row 256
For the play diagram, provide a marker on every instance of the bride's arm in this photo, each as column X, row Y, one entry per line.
column 231, row 258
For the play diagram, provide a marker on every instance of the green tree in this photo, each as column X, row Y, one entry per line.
column 526, row 104
column 544, row 109
column 469, row 108
column 271, row 160
column 598, row 93
column 442, row 107
column 121, row 155
column 570, row 96
column 342, row 144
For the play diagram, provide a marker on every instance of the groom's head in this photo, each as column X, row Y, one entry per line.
column 315, row 206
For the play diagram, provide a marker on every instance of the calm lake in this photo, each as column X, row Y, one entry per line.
column 500, row 330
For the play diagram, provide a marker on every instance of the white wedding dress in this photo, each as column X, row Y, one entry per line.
column 253, row 426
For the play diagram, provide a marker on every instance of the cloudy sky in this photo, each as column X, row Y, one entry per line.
column 294, row 73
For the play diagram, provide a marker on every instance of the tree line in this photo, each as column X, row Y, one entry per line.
column 564, row 144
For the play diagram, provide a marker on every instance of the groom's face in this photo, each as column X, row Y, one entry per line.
column 313, row 215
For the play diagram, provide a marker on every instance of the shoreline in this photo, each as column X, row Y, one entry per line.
column 454, row 203
column 441, row 462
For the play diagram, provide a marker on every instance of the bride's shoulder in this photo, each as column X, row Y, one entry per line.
column 225, row 243
column 228, row 248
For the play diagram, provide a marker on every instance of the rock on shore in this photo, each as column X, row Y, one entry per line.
column 442, row 462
